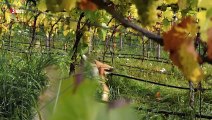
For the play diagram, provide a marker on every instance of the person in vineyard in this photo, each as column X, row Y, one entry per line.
column 100, row 70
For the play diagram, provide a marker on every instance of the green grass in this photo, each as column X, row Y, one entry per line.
column 21, row 81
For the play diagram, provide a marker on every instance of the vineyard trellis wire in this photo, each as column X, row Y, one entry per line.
column 144, row 58
column 116, row 73
column 137, row 56
column 155, row 83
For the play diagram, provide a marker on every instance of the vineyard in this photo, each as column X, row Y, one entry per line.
column 105, row 60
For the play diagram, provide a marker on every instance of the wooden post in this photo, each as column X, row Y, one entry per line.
column 143, row 45
column 121, row 42
column 158, row 47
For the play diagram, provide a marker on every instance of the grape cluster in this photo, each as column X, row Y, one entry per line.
column 147, row 10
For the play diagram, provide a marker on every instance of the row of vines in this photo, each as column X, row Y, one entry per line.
column 161, row 51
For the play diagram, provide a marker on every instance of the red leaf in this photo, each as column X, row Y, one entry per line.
column 158, row 96
column 87, row 5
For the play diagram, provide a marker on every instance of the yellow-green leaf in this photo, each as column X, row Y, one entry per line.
column 42, row 5
column 8, row 17
column 68, row 5
column 171, row 1
column 205, row 3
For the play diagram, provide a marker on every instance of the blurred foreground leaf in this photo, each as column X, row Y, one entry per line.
column 81, row 105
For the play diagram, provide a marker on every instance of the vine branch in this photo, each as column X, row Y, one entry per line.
column 79, row 34
column 33, row 31
column 109, row 7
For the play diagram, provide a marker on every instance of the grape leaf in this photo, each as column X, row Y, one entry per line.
column 189, row 61
column 179, row 41
column 184, row 31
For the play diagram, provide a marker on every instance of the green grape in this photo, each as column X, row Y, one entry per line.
column 168, row 14
column 147, row 10
column 133, row 11
column 86, row 37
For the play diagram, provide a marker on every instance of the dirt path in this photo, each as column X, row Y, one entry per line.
column 48, row 97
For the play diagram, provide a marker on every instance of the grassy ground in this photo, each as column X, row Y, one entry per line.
column 155, row 97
